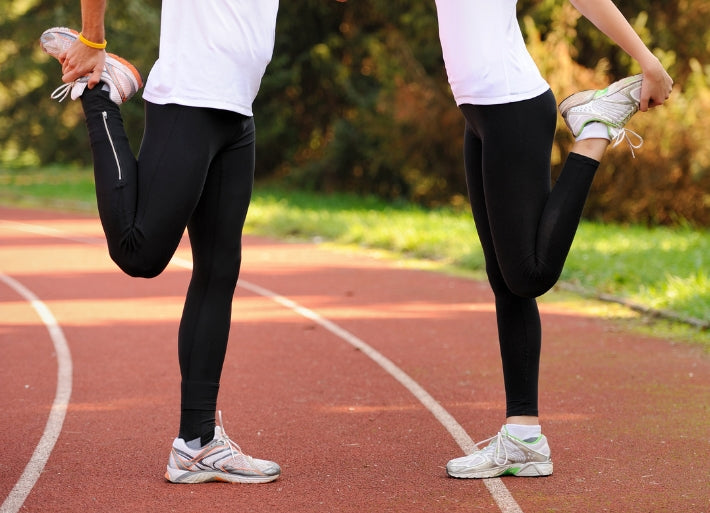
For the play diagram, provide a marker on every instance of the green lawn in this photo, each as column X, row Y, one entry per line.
column 659, row 269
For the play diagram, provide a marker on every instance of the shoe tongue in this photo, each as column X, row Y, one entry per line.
column 217, row 432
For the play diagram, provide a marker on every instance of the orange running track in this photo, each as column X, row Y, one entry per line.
column 360, row 377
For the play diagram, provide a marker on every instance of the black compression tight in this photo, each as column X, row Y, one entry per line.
column 195, row 169
column 525, row 227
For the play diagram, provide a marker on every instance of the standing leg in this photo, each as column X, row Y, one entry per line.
column 526, row 230
column 215, row 230
column 518, row 319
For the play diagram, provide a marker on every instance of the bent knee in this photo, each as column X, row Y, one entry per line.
column 140, row 269
column 532, row 288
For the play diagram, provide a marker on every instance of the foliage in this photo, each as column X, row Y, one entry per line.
column 356, row 99
column 33, row 127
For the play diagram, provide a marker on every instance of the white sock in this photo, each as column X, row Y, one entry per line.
column 594, row 130
column 195, row 444
column 524, row 432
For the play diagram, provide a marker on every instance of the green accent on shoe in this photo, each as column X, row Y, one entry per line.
column 601, row 92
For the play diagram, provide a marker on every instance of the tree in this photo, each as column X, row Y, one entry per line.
column 356, row 98
column 33, row 127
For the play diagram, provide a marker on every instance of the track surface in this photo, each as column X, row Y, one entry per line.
column 627, row 416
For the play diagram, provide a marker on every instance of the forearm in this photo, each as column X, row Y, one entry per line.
column 657, row 84
column 92, row 19
column 79, row 59
column 607, row 18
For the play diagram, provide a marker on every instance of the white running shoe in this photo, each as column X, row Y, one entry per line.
column 612, row 106
column 505, row 455
column 219, row 460
column 121, row 77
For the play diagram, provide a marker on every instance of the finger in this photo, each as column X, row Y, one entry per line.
column 69, row 76
column 95, row 78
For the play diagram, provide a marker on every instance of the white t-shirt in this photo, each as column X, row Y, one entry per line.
column 213, row 53
column 485, row 54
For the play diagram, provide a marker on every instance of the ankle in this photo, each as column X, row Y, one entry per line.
column 593, row 148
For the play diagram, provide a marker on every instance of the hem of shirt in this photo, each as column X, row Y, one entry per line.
column 509, row 98
column 199, row 102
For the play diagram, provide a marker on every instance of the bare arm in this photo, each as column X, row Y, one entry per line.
column 80, row 59
column 657, row 84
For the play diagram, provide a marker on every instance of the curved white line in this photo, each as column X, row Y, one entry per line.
column 501, row 495
column 39, row 458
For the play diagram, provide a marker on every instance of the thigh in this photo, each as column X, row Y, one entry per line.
column 473, row 164
column 216, row 224
column 175, row 154
column 515, row 171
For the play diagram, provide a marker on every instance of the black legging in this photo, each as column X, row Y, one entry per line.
column 195, row 169
column 525, row 227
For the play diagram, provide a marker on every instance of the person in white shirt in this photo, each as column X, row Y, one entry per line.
column 525, row 226
column 195, row 169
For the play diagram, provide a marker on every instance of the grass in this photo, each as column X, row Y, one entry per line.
column 656, row 270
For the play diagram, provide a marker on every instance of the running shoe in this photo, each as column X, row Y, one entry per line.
column 612, row 106
column 120, row 76
column 219, row 460
column 504, row 455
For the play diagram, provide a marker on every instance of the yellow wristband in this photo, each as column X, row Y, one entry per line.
column 91, row 44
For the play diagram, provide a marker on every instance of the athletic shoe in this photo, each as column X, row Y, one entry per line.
column 121, row 77
column 57, row 40
column 612, row 106
column 219, row 460
column 504, row 455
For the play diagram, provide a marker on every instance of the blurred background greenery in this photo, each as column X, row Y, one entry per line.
column 356, row 99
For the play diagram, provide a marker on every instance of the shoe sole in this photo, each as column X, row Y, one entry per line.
column 113, row 61
column 138, row 80
column 191, row 477
column 524, row 470
column 583, row 97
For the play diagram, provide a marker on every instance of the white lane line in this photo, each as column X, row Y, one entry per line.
column 39, row 458
column 49, row 232
column 501, row 495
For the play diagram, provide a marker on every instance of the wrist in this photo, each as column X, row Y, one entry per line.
column 649, row 62
column 97, row 45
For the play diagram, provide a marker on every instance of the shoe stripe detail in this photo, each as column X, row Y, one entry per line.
column 221, row 460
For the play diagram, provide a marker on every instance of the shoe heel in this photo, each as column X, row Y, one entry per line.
column 137, row 78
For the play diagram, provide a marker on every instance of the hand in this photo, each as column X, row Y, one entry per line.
column 79, row 60
column 656, row 87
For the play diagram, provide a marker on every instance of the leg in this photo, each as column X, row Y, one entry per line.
column 518, row 318
column 519, row 334
column 215, row 230
column 525, row 228
column 532, row 226
column 144, row 204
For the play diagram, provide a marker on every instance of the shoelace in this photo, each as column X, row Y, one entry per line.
column 623, row 135
column 61, row 92
column 494, row 448
column 234, row 448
